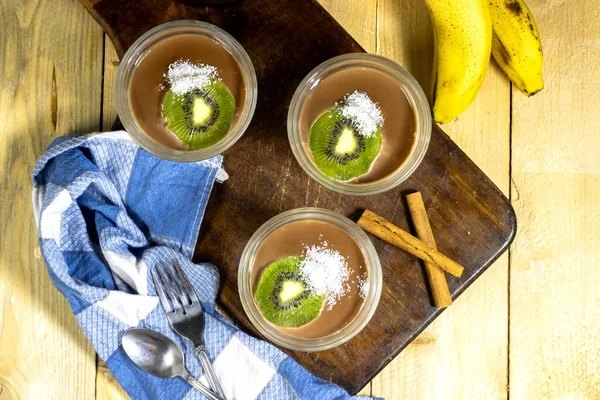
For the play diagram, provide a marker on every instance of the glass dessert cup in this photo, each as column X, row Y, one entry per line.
column 142, row 46
column 362, row 317
column 414, row 94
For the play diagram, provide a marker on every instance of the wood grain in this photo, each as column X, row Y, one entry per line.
column 50, row 69
column 109, row 105
column 476, row 212
column 554, row 303
column 555, row 279
column 463, row 354
column 358, row 17
column 107, row 387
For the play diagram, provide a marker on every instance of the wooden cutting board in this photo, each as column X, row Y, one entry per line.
column 472, row 221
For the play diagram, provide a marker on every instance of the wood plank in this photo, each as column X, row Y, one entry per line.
column 555, row 279
column 111, row 65
column 107, row 387
column 463, row 354
column 358, row 17
column 50, row 69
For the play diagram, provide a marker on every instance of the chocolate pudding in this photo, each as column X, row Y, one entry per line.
column 399, row 127
column 148, row 84
column 293, row 239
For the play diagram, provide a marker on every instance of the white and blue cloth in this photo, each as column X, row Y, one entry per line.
column 107, row 212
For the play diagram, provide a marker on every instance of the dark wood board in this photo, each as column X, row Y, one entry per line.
column 471, row 219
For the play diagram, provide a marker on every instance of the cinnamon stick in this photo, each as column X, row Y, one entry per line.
column 435, row 275
column 389, row 232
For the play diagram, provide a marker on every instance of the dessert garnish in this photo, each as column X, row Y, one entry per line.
column 346, row 140
column 283, row 296
column 366, row 114
column 198, row 107
column 294, row 290
column 325, row 272
column 363, row 287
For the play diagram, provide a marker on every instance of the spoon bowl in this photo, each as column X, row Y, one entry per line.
column 154, row 353
column 158, row 355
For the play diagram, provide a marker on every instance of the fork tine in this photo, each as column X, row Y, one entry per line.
column 167, row 287
column 161, row 293
column 186, row 284
column 182, row 297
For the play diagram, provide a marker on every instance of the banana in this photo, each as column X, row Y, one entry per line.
column 516, row 44
column 462, row 34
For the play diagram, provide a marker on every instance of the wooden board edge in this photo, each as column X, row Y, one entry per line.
column 437, row 313
column 89, row 6
column 120, row 49
column 511, row 215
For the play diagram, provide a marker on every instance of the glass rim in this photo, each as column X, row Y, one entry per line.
column 368, row 308
column 140, row 47
column 415, row 95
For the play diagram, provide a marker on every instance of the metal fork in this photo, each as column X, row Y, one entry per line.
column 185, row 314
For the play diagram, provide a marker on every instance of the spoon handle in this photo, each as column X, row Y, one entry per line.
column 201, row 388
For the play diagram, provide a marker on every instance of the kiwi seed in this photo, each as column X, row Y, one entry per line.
column 339, row 150
column 201, row 117
column 283, row 297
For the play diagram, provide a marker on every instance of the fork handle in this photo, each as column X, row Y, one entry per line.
column 210, row 372
column 201, row 388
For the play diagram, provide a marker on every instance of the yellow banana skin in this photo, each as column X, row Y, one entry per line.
column 516, row 44
column 462, row 34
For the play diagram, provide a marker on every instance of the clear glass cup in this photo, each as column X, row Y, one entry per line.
column 414, row 94
column 367, row 309
column 144, row 44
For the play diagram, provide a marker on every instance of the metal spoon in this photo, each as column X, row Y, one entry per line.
column 158, row 355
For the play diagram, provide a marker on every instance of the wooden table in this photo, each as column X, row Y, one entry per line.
column 531, row 323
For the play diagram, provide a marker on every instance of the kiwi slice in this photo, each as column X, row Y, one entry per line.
column 283, row 297
column 339, row 150
column 201, row 117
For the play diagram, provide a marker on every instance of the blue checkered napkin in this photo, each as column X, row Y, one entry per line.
column 107, row 212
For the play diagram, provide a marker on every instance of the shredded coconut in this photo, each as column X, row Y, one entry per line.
column 363, row 287
column 183, row 76
column 325, row 271
column 359, row 107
